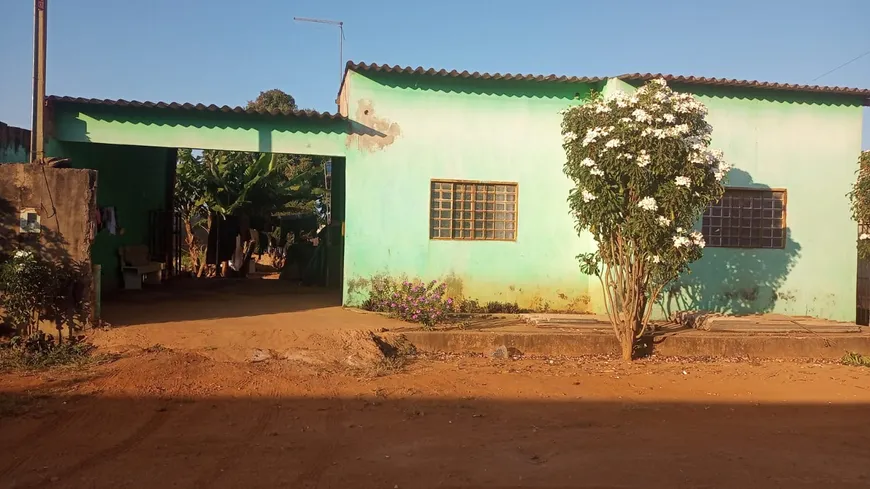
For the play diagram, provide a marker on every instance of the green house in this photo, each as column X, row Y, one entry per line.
column 457, row 177
column 463, row 182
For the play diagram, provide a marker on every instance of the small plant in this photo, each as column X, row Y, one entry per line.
column 855, row 359
column 495, row 307
column 40, row 350
column 34, row 289
column 468, row 306
column 409, row 301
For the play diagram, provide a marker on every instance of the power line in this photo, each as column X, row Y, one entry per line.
column 856, row 58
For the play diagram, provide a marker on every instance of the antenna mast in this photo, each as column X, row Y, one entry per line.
column 340, row 39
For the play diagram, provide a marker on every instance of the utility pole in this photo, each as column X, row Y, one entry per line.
column 37, row 128
column 340, row 39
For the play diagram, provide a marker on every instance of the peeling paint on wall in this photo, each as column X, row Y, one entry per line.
column 374, row 133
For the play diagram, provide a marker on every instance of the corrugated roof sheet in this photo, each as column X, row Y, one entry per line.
column 697, row 80
column 194, row 107
column 700, row 80
column 407, row 70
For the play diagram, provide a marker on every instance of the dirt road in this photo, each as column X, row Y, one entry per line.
column 173, row 419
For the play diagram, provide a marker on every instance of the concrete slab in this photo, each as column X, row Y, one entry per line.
column 690, row 343
column 775, row 324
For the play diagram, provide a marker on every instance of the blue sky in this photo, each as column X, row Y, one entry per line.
column 227, row 51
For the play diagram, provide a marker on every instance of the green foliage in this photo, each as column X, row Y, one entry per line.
column 33, row 289
column 643, row 174
column 274, row 100
column 40, row 350
column 860, row 200
column 855, row 360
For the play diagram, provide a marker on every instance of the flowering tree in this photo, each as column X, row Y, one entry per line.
column 644, row 174
column 860, row 198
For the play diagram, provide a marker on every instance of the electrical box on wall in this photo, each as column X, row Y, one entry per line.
column 29, row 222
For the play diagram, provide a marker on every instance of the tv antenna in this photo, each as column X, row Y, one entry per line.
column 340, row 39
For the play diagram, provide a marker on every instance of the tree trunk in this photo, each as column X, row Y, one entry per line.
column 626, row 340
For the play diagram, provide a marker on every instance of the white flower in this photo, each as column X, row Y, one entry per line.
column 625, row 120
column 569, row 137
column 641, row 115
column 862, row 237
column 587, row 162
column 680, row 241
column 643, row 159
column 592, row 135
column 680, row 129
column 660, row 82
column 23, row 254
column 656, row 259
column 698, row 239
column 648, row 203
column 588, row 196
column 721, row 171
column 683, row 181
column 596, row 171
column 613, row 143
column 601, row 109
column 664, row 221
column 624, row 156
column 563, row 111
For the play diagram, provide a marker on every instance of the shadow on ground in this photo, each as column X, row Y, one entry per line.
column 382, row 441
column 205, row 299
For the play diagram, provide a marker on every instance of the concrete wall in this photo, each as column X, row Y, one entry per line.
column 134, row 180
column 455, row 129
column 63, row 198
column 14, row 144
column 809, row 145
column 444, row 128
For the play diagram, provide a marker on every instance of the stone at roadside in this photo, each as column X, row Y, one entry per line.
column 500, row 353
column 259, row 355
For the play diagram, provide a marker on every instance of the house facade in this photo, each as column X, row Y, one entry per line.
column 458, row 177
column 460, row 180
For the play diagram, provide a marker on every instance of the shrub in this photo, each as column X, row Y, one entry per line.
column 643, row 173
column 40, row 350
column 409, row 301
column 33, row 289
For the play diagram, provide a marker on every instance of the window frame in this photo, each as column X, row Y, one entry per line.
column 454, row 182
column 784, row 228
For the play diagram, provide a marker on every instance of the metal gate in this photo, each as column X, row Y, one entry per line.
column 862, row 310
column 165, row 240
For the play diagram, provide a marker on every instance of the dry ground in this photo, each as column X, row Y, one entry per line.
column 179, row 419
column 193, row 413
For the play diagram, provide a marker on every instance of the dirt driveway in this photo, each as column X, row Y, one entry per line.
column 179, row 419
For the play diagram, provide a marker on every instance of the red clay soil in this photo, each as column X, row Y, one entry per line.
column 180, row 419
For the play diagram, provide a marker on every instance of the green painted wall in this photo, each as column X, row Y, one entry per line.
column 465, row 130
column 199, row 129
column 509, row 131
column 808, row 145
column 133, row 179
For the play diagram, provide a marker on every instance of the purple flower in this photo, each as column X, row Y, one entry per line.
column 450, row 300
column 393, row 304
column 414, row 317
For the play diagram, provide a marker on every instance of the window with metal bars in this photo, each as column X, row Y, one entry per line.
column 473, row 210
column 746, row 218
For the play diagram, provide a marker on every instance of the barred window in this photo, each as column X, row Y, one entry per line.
column 746, row 218
column 473, row 210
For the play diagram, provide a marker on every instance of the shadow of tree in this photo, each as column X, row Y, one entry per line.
column 736, row 281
